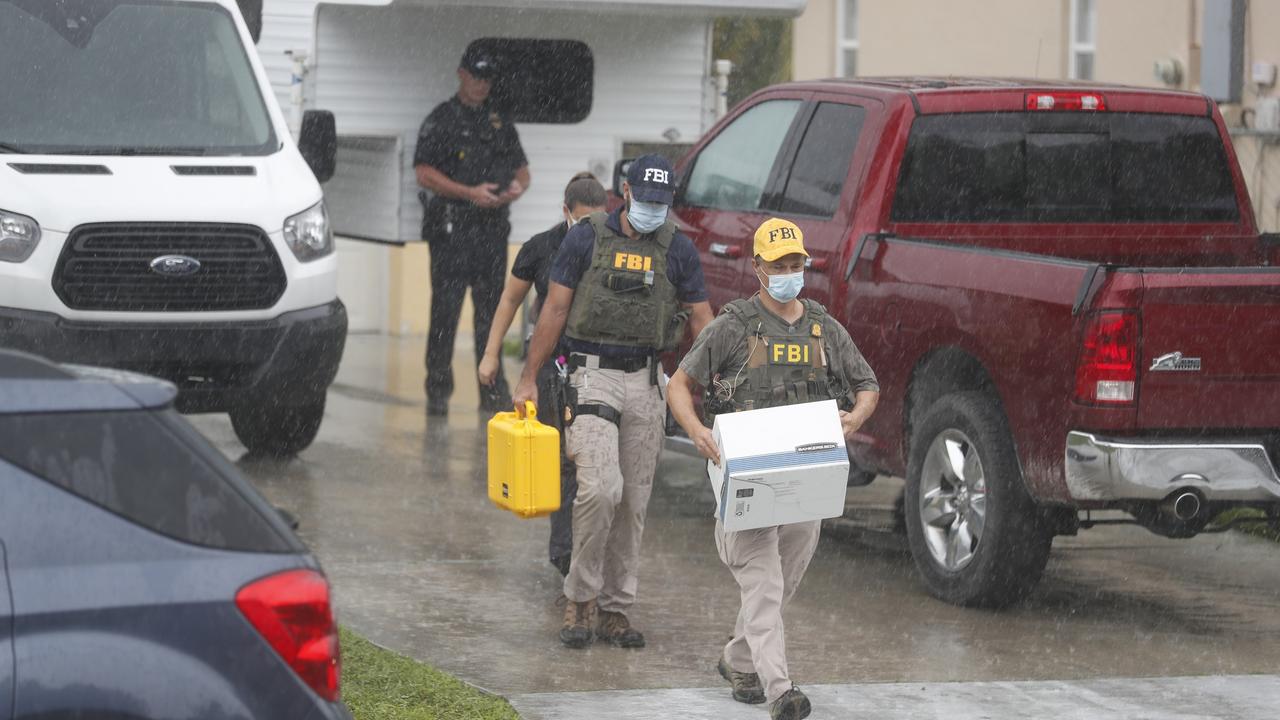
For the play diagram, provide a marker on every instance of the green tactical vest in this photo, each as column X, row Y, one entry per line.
column 625, row 297
column 783, row 368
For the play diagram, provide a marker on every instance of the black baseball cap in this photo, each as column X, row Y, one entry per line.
column 479, row 62
column 652, row 179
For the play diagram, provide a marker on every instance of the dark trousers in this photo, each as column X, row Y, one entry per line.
column 473, row 255
column 561, row 544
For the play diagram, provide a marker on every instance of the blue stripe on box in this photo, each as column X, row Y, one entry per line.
column 773, row 461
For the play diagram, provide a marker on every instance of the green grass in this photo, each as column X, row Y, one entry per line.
column 1261, row 530
column 380, row 685
column 512, row 347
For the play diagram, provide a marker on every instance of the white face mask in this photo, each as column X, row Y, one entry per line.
column 570, row 220
column 646, row 217
column 783, row 288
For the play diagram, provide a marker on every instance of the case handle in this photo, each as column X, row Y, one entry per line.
column 530, row 411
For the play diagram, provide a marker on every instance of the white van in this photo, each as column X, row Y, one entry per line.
column 156, row 216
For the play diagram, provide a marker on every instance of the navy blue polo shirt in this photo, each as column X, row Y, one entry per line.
column 684, row 270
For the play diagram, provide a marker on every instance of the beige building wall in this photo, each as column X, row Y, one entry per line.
column 410, row 292
column 1023, row 38
column 1132, row 35
column 1014, row 38
column 813, row 47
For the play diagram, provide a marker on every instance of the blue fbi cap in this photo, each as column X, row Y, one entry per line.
column 652, row 179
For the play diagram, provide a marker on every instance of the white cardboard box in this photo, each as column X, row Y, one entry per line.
column 779, row 465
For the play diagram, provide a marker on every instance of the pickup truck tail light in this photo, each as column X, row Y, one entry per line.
column 1107, row 373
column 1066, row 101
column 291, row 611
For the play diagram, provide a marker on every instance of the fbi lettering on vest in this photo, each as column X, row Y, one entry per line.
column 789, row 354
column 630, row 261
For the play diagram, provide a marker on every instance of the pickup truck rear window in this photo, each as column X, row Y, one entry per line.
column 148, row 468
column 1029, row 167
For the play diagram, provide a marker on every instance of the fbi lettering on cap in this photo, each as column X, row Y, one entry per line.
column 782, row 233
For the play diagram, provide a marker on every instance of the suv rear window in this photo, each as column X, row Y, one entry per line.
column 1031, row 167
column 149, row 468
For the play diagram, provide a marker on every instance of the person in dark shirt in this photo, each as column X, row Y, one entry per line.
column 582, row 196
column 470, row 159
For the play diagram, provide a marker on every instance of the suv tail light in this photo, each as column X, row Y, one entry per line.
column 291, row 611
column 1107, row 373
column 1066, row 101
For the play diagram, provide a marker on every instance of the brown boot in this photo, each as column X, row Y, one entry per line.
column 793, row 705
column 746, row 686
column 578, row 619
column 615, row 629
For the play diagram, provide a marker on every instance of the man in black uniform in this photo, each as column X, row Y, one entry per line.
column 469, row 158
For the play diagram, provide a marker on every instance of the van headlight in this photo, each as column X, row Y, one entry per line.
column 308, row 233
column 19, row 236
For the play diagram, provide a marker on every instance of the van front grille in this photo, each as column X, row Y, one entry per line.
column 109, row 266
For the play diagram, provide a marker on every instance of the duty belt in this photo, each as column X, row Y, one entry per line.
column 599, row 362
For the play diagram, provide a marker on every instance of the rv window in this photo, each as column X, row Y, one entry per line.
column 542, row 81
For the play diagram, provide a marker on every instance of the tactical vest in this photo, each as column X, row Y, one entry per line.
column 625, row 297
column 782, row 368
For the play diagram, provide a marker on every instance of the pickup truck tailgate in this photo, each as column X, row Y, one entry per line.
column 1226, row 325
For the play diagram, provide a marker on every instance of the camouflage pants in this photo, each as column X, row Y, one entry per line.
column 768, row 564
column 615, row 466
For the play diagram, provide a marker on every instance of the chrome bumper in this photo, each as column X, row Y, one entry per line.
column 1106, row 469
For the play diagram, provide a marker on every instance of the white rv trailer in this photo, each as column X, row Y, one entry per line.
column 381, row 65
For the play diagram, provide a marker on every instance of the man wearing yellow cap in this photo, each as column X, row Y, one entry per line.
column 732, row 359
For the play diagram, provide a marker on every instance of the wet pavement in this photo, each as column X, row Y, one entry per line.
column 394, row 505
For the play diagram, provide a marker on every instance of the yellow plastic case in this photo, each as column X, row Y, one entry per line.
column 524, row 464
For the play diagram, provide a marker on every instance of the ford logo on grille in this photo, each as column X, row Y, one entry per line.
column 175, row 265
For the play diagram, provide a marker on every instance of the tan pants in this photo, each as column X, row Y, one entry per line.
column 768, row 564
column 615, row 476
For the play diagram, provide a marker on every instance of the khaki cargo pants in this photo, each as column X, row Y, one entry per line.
column 768, row 564
column 615, row 476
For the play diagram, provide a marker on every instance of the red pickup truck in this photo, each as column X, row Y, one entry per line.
column 1060, row 286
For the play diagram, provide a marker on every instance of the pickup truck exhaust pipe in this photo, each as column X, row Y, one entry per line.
column 1183, row 505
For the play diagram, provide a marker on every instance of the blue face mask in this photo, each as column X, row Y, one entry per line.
column 785, row 288
column 646, row 217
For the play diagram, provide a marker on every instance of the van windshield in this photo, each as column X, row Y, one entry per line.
column 127, row 77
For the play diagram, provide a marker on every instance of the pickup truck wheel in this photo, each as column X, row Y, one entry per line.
column 974, row 531
column 279, row 430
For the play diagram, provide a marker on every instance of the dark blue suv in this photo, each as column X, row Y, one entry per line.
column 141, row 576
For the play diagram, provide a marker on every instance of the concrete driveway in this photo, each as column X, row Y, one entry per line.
column 1125, row 625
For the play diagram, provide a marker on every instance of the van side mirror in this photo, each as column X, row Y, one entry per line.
column 252, row 12
column 318, row 143
column 620, row 169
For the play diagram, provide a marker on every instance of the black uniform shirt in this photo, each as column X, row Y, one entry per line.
column 470, row 145
column 533, row 262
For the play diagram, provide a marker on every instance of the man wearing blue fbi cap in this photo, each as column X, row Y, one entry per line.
column 622, row 290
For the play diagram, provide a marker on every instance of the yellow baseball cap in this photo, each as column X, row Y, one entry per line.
column 777, row 237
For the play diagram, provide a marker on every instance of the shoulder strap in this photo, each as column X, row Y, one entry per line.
column 597, row 220
column 742, row 308
column 665, row 234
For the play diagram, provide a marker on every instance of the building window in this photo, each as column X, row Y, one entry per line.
column 847, row 38
column 542, row 81
column 1084, row 43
